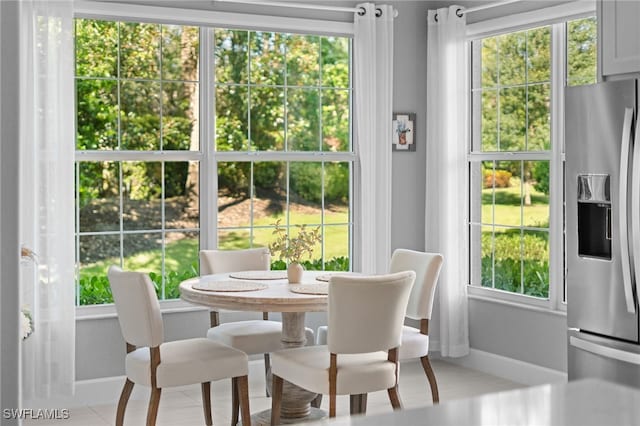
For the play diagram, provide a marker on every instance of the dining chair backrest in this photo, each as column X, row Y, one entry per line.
column 427, row 268
column 221, row 261
column 366, row 313
column 137, row 307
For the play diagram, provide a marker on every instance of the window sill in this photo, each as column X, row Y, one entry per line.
column 516, row 301
column 109, row 310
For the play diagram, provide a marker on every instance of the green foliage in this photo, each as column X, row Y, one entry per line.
column 306, row 181
column 112, row 100
column 336, row 183
column 582, row 45
column 336, row 264
column 308, row 100
column 292, row 248
column 172, row 280
column 158, row 73
column 512, row 252
column 95, row 290
column 540, row 174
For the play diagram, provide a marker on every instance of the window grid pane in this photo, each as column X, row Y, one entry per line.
column 137, row 89
column 286, row 93
column 511, row 98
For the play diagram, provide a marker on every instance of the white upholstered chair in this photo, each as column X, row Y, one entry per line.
column 152, row 362
column 251, row 336
column 366, row 315
column 415, row 342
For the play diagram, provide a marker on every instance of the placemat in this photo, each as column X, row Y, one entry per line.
column 259, row 275
column 319, row 288
column 326, row 277
column 229, row 286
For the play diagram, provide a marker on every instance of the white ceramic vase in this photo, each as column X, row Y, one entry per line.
column 294, row 273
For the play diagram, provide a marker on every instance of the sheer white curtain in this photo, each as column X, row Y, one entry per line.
column 46, row 196
column 446, row 199
column 373, row 85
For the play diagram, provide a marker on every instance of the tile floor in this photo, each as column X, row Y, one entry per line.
column 183, row 406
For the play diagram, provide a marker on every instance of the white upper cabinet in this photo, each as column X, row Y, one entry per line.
column 619, row 22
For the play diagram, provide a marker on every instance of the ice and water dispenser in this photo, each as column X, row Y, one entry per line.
column 594, row 216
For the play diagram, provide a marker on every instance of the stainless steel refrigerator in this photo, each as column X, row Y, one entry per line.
column 602, row 219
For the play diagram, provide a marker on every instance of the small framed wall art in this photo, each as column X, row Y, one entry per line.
column 404, row 129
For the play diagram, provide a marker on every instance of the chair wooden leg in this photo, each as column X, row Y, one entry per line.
column 267, row 369
column 333, row 383
column 276, row 399
column 426, row 366
column 332, row 404
column 206, row 402
column 122, row 403
column 394, row 397
column 358, row 403
column 154, row 403
column 243, row 395
column 235, row 402
column 317, row 401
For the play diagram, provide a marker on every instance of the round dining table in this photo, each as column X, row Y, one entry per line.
column 269, row 291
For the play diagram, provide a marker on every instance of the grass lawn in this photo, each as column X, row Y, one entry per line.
column 181, row 254
column 508, row 210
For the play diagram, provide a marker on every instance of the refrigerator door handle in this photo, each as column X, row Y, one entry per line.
column 635, row 206
column 605, row 351
column 622, row 211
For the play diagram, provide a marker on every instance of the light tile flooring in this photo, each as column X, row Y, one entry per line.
column 183, row 406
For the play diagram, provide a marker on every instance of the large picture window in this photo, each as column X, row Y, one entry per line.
column 145, row 189
column 514, row 91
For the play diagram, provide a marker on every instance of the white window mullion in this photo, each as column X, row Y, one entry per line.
column 77, row 227
column 556, row 179
column 294, row 156
column 170, row 15
column 510, row 156
column 142, row 156
column 208, row 163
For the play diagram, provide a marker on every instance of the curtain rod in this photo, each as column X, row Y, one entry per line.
column 293, row 5
column 359, row 10
column 489, row 6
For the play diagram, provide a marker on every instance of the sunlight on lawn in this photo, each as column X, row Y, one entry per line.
column 508, row 211
column 336, row 237
column 183, row 253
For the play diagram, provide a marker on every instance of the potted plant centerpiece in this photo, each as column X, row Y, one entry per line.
column 291, row 249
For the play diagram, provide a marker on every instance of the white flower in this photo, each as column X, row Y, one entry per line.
column 25, row 323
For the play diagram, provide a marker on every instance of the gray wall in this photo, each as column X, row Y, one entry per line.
column 409, row 95
column 515, row 332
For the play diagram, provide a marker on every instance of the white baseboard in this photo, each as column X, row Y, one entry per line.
column 509, row 368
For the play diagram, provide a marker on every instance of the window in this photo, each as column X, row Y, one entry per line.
column 513, row 148
column 279, row 142
column 283, row 139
